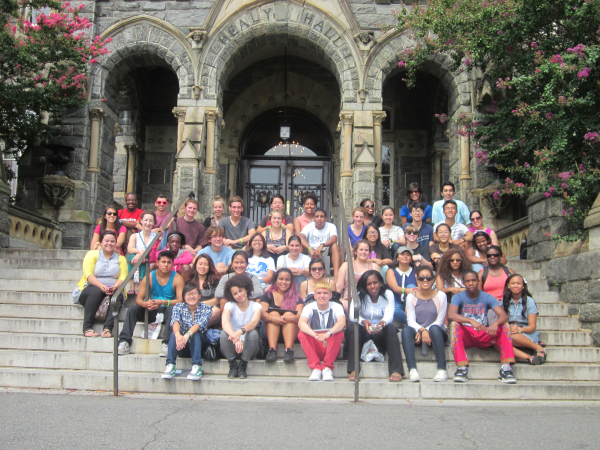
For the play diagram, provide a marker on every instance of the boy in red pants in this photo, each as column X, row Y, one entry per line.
column 470, row 328
column 321, row 332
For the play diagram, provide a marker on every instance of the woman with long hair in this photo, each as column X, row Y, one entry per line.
column 369, row 206
column 444, row 243
column 450, row 270
column 277, row 204
column 379, row 254
column 276, row 236
column 522, row 316
column 376, row 304
column 361, row 264
column 259, row 261
column 297, row 262
column 414, row 194
column 426, row 312
column 109, row 221
column 392, row 236
column 218, row 207
column 356, row 230
column 477, row 225
column 309, row 204
column 138, row 243
column 476, row 253
column 492, row 277
column 281, row 308
column 316, row 270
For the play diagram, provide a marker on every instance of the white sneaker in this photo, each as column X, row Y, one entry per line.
column 123, row 348
column 441, row 375
column 315, row 375
column 327, row 374
column 164, row 350
column 169, row 372
column 414, row 375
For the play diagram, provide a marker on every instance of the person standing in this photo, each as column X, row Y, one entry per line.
column 437, row 213
column 238, row 229
column 191, row 228
column 321, row 332
column 470, row 328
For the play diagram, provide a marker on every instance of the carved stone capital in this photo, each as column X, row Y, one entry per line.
column 212, row 115
column 57, row 188
column 132, row 149
column 96, row 113
column 378, row 117
column 179, row 113
column 347, row 118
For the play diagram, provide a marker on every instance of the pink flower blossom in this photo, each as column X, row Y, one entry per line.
column 556, row 59
column 564, row 186
column 526, row 165
column 547, row 234
column 549, row 116
column 500, row 32
column 497, row 195
column 547, row 194
column 584, row 73
column 591, row 136
column 401, row 64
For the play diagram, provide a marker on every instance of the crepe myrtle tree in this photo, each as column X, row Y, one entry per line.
column 44, row 58
column 541, row 56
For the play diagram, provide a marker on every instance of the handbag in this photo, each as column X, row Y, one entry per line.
column 102, row 310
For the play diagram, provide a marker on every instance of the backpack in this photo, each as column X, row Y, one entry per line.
column 486, row 271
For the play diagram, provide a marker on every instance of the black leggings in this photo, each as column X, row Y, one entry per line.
column 90, row 298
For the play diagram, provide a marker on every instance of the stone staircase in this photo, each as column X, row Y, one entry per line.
column 41, row 346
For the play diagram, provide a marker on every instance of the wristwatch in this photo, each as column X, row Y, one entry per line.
column 330, row 333
column 243, row 331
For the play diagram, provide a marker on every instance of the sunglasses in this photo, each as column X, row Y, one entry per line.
column 162, row 203
column 412, row 233
column 427, row 278
column 456, row 260
column 111, row 213
column 413, row 192
column 493, row 255
column 369, row 206
column 476, row 218
column 317, row 269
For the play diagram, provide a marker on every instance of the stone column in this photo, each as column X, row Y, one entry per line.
column 232, row 175
column 96, row 114
column 180, row 115
column 378, row 117
column 131, row 157
column 347, row 121
column 465, row 159
column 211, row 121
column 438, row 155
column 4, row 196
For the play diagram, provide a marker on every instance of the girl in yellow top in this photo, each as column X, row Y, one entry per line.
column 103, row 271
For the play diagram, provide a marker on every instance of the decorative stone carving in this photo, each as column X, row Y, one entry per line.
column 362, row 95
column 365, row 40
column 57, row 188
column 497, row 206
column 263, row 198
column 196, row 38
column 196, row 91
column 118, row 129
column 379, row 117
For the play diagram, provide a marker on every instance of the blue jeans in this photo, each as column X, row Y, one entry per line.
column 438, row 337
column 399, row 314
column 193, row 348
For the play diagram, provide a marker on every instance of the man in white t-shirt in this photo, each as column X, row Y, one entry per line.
column 320, row 239
column 321, row 332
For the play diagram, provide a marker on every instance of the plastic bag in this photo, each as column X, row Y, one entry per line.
column 370, row 352
column 154, row 328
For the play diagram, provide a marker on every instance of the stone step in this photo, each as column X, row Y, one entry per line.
column 36, row 311
column 546, row 297
column 566, row 338
column 558, row 324
column 48, row 274
column 37, row 298
column 299, row 387
column 536, row 286
column 553, row 310
column 22, row 253
column 530, row 274
column 73, row 343
column 35, row 264
column 152, row 364
column 519, row 265
column 37, row 285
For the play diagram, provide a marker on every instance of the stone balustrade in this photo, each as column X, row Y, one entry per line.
column 30, row 230
column 511, row 236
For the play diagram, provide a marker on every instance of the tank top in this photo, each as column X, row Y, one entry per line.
column 308, row 291
column 495, row 285
column 139, row 241
column 166, row 292
column 276, row 242
column 303, row 221
column 487, row 230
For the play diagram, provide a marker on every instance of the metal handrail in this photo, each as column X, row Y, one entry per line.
column 353, row 292
column 114, row 301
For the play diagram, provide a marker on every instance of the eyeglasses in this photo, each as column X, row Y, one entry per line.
column 455, row 260
column 476, row 218
column 162, row 203
column 409, row 233
column 317, row 269
column 111, row 213
column 493, row 255
column 191, row 295
column 372, row 232
column 417, row 211
column 427, row 278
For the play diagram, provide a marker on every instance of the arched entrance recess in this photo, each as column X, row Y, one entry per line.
column 293, row 167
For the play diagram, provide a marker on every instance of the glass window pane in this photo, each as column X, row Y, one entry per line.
column 264, row 175
column 385, row 197
column 385, row 160
column 307, row 176
column 296, row 150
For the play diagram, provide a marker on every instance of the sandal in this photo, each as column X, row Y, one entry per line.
column 130, row 292
column 106, row 334
column 537, row 359
column 395, row 377
column 352, row 376
column 90, row 333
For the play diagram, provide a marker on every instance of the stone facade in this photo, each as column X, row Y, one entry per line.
column 221, row 64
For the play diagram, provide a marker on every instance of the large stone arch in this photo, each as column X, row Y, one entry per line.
column 143, row 41
column 292, row 24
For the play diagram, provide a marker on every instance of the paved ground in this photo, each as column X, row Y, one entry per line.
column 74, row 421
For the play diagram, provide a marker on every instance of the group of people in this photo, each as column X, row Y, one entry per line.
column 228, row 279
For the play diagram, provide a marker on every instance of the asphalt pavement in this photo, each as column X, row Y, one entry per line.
column 65, row 420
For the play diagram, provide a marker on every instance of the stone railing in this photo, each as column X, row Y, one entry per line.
column 511, row 236
column 30, row 230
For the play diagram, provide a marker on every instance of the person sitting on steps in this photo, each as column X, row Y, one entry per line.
column 321, row 333
column 320, row 239
column 470, row 328
column 220, row 254
column 238, row 229
column 192, row 229
column 189, row 322
column 241, row 316
column 166, row 287
column 493, row 276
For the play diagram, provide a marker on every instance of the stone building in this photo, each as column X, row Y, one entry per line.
column 194, row 94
